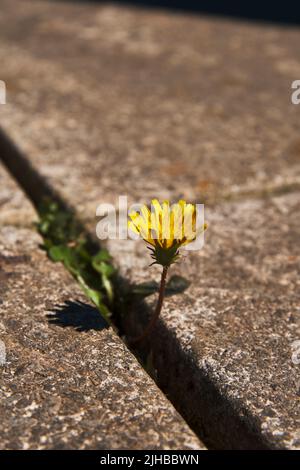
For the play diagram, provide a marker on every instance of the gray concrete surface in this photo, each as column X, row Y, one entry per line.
column 66, row 380
column 105, row 100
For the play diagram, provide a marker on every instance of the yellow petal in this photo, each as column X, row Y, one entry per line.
column 166, row 235
column 188, row 226
column 177, row 221
column 132, row 227
column 145, row 213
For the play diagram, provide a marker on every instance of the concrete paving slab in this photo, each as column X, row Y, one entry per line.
column 107, row 100
column 232, row 338
column 192, row 106
column 66, row 380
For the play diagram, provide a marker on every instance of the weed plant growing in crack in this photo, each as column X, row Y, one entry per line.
column 65, row 241
column 165, row 228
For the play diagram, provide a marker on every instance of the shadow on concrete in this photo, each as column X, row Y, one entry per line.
column 79, row 315
column 280, row 12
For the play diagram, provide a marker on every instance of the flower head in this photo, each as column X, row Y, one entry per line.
column 166, row 228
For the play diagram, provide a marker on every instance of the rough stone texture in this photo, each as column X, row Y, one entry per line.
column 68, row 381
column 191, row 106
column 107, row 100
column 237, row 326
column 15, row 209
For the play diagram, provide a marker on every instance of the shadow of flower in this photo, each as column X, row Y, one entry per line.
column 79, row 315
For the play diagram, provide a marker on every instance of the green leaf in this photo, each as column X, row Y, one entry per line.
column 100, row 263
column 103, row 268
column 59, row 252
column 44, row 227
column 95, row 297
column 82, row 251
column 66, row 241
column 108, row 287
column 102, row 255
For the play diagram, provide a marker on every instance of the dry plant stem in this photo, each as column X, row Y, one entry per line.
column 160, row 299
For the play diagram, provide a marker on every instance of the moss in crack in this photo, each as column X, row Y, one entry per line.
column 66, row 241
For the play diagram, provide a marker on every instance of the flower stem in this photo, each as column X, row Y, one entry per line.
column 158, row 308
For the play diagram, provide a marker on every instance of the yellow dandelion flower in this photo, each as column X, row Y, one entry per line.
column 166, row 228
